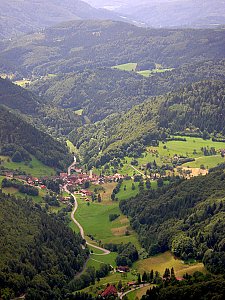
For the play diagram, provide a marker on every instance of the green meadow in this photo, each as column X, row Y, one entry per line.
column 126, row 67
column 94, row 217
column 131, row 67
column 35, row 167
column 166, row 260
column 164, row 153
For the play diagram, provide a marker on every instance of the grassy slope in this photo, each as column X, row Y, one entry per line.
column 95, row 221
column 132, row 67
column 184, row 149
column 126, row 67
column 166, row 260
column 38, row 169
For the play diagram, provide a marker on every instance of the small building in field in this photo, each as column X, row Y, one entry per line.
column 86, row 193
column 123, row 269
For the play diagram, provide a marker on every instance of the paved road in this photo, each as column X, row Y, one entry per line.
column 134, row 289
column 105, row 252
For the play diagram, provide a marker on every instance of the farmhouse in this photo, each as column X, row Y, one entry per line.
column 109, row 291
column 123, row 269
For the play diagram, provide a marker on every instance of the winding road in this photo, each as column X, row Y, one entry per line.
column 105, row 251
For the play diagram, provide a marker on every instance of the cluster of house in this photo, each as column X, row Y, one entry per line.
column 33, row 181
column 78, row 178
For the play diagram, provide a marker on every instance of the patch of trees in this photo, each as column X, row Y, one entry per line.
column 89, row 277
column 116, row 190
column 196, row 286
column 39, row 254
column 127, row 253
column 113, row 217
column 22, row 188
column 52, row 184
column 186, row 217
column 51, row 200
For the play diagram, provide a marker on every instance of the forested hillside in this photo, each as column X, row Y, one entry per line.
column 104, row 91
column 18, row 98
column 39, row 254
column 198, row 107
column 76, row 45
column 17, row 135
column 186, row 218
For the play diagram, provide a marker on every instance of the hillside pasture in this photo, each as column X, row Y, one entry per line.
column 191, row 148
column 126, row 67
column 34, row 167
column 167, row 260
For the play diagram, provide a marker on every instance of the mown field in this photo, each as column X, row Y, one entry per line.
column 137, row 294
column 126, row 67
column 166, row 260
column 131, row 67
column 94, row 217
column 164, row 153
column 111, row 279
column 34, row 167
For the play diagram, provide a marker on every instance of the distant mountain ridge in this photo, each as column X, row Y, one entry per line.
column 77, row 45
column 19, row 17
column 169, row 13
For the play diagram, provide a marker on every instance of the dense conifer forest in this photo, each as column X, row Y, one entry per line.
column 18, row 135
column 186, row 218
column 75, row 92
column 76, row 45
column 39, row 254
column 199, row 107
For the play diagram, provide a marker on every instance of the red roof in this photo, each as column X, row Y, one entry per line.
column 110, row 290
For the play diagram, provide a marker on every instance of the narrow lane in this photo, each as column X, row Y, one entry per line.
column 105, row 251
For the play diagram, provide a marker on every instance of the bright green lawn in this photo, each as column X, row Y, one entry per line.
column 97, row 260
column 145, row 73
column 15, row 192
column 112, row 279
column 207, row 161
column 95, row 220
column 185, row 149
column 79, row 112
column 35, row 167
column 126, row 67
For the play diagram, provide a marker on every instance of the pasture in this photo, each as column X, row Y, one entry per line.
column 23, row 83
column 35, row 167
column 137, row 294
column 113, row 279
column 94, row 217
column 166, row 260
column 148, row 73
column 131, row 67
column 71, row 147
column 79, row 112
column 191, row 148
column 126, row 67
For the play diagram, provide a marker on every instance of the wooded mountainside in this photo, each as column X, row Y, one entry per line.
column 39, row 254
column 186, row 218
column 18, row 135
column 20, row 17
column 104, row 91
column 199, row 106
column 74, row 46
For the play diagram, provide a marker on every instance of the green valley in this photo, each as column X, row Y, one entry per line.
column 112, row 156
